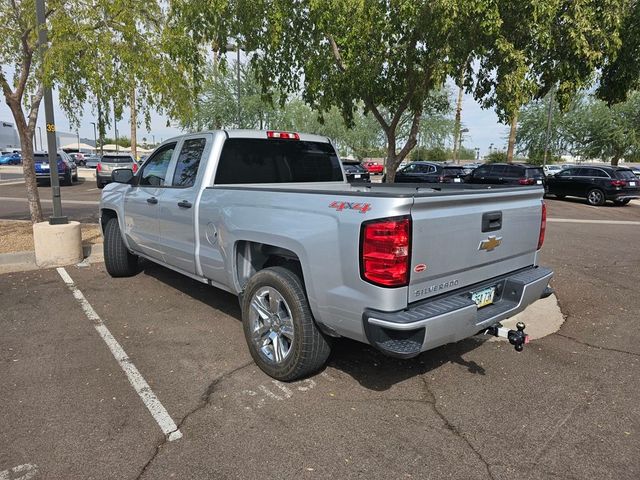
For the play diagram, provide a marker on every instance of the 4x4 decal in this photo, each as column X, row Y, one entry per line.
column 361, row 207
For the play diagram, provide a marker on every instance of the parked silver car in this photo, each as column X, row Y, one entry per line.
column 111, row 162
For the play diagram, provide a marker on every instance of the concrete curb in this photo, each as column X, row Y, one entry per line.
column 26, row 261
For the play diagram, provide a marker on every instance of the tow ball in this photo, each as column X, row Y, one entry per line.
column 516, row 337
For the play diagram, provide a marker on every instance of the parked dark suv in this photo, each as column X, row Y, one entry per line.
column 596, row 183
column 355, row 172
column 508, row 174
column 431, row 173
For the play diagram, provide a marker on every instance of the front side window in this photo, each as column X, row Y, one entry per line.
column 154, row 172
column 188, row 162
column 569, row 172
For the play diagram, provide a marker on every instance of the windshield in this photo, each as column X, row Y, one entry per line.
column 353, row 168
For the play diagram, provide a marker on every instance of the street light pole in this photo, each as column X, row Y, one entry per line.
column 40, row 135
column 57, row 218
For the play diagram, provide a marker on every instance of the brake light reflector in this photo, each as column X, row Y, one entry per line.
column 135, row 167
column 618, row 183
column 98, row 167
column 384, row 252
column 526, row 181
column 283, row 135
column 543, row 225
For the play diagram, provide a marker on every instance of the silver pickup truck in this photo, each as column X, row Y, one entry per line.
column 270, row 217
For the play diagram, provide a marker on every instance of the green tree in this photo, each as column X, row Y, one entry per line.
column 612, row 131
column 622, row 73
column 387, row 56
column 534, row 45
column 99, row 51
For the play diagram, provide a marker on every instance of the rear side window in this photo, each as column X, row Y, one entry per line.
column 513, row 171
column 188, row 162
column 480, row 171
column 535, row 173
column 248, row 160
column 626, row 175
column 453, row 171
column 154, row 171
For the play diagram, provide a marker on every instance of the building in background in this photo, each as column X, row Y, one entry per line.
column 9, row 139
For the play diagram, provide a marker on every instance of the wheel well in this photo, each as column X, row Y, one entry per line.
column 252, row 257
column 105, row 216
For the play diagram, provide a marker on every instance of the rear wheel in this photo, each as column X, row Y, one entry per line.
column 68, row 178
column 282, row 336
column 118, row 260
column 621, row 203
column 596, row 197
column 99, row 184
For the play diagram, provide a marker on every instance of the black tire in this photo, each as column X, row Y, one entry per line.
column 621, row 203
column 118, row 260
column 68, row 179
column 308, row 350
column 75, row 177
column 596, row 197
column 100, row 185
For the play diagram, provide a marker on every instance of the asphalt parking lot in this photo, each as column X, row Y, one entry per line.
column 567, row 407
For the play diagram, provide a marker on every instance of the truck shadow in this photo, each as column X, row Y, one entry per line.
column 375, row 371
column 370, row 368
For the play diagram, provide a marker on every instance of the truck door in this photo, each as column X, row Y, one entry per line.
column 178, row 206
column 141, row 203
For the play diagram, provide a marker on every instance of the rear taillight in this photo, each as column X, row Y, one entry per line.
column 283, row 135
column 543, row 225
column 135, row 167
column 441, row 179
column 618, row 183
column 384, row 252
column 526, row 181
column 98, row 168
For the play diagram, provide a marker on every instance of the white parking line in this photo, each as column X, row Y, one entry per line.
column 597, row 222
column 28, row 470
column 157, row 410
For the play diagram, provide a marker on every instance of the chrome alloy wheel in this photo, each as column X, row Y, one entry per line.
column 271, row 324
column 595, row 197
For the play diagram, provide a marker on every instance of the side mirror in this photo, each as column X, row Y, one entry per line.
column 122, row 175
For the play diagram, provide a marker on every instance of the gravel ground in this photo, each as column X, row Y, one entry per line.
column 17, row 235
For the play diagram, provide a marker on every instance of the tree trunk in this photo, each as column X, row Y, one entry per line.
column 33, row 196
column 615, row 160
column 100, row 127
column 512, row 137
column 391, row 162
column 134, row 122
column 457, row 124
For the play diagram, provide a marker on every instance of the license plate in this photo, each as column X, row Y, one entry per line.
column 44, row 167
column 457, row 180
column 632, row 184
column 484, row 297
column 539, row 182
column 357, row 176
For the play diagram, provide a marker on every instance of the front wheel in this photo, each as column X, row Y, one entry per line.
column 282, row 336
column 118, row 260
column 596, row 197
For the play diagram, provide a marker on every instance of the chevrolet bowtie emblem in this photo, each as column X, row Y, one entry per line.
column 490, row 243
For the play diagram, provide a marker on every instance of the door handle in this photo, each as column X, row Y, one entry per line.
column 152, row 200
column 184, row 204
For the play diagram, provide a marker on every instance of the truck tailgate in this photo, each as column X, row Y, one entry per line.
column 459, row 240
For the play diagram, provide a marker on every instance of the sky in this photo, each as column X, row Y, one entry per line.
column 483, row 125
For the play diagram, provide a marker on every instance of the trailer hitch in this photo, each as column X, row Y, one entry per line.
column 516, row 337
